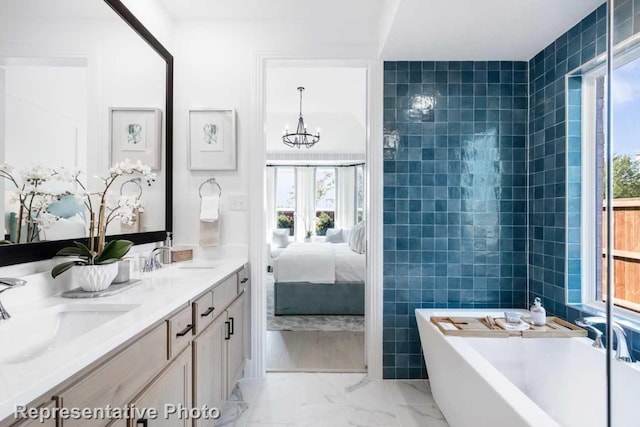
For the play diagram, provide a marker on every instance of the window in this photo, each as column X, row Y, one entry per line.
column 625, row 128
column 325, row 181
column 359, row 193
column 286, row 198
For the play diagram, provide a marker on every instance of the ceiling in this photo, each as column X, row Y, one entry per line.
column 313, row 10
column 58, row 9
column 414, row 29
column 476, row 30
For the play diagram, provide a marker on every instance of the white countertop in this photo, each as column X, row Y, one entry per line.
column 161, row 293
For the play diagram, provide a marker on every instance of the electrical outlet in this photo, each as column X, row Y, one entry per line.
column 238, row 203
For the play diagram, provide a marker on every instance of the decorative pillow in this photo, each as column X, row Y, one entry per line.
column 335, row 235
column 280, row 238
column 346, row 234
column 356, row 240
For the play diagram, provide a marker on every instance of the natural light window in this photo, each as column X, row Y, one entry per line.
column 359, row 193
column 286, row 198
column 325, row 199
column 625, row 128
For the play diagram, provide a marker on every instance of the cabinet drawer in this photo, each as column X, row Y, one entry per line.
column 180, row 330
column 225, row 293
column 203, row 312
column 243, row 279
column 117, row 381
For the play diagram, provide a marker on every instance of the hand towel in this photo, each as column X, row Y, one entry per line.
column 209, row 233
column 209, row 208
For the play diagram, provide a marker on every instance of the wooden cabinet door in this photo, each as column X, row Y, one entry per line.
column 51, row 422
column 118, row 423
column 173, row 387
column 235, row 352
column 209, row 368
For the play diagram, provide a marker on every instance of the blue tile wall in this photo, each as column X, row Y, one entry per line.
column 554, row 158
column 455, row 195
column 471, row 149
column 549, row 171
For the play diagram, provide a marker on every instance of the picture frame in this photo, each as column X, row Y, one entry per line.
column 136, row 134
column 212, row 139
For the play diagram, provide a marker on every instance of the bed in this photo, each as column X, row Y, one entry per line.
column 319, row 279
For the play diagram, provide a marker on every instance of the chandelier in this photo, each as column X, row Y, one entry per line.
column 300, row 137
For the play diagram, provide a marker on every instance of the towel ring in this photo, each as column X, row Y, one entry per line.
column 211, row 181
column 135, row 181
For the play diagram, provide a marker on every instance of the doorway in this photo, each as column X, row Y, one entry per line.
column 315, row 219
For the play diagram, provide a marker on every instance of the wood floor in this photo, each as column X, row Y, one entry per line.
column 315, row 351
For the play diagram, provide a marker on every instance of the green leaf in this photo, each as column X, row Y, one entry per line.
column 109, row 261
column 86, row 252
column 71, row 251
column 5, row 242
column 61, row 268
column 115, row 249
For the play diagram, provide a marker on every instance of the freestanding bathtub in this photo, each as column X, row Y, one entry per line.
column 515, row 382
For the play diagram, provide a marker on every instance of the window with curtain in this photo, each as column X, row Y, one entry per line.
column 285, row 192
column 325, row 188
column 359, row 193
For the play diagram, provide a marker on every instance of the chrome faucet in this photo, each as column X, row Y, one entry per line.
column 152, row 263
column 8, row 283
column 622, row 347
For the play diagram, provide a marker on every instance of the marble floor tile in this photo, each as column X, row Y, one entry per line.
column 245, row 391
column 233, row 415
column 333, row 415
column 420, row 416
column 269, row 425
column 352, row 389
column 276, row 411
column 409, row 392
column 331, row 400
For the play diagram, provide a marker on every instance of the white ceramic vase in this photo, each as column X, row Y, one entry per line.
column 94, row 278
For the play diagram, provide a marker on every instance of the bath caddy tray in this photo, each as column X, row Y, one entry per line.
column 483, row 327
column 114, row 289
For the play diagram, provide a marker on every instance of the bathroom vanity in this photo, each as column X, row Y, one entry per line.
column 177, row 339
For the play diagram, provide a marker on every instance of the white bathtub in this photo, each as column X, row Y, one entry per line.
column 514, row 382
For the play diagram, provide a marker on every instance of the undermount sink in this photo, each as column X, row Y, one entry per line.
column 27, row 336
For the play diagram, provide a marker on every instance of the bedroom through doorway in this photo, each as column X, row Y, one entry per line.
column 316, row 139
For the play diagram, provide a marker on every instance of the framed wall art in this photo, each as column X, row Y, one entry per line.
column 136, row 134
column 212, row 139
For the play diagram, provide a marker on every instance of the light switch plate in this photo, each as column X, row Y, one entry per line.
column 238, row 202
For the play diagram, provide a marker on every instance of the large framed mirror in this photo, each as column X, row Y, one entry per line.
column 85, row 90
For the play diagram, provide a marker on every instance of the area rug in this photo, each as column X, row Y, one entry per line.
column 309, row 323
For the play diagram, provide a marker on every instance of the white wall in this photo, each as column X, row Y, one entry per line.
column 46, row 116
column 214, row 61
column 155, row 17
column 335, row 101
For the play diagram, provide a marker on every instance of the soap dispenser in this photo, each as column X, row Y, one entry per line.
column 538, row 313
column 167, row 254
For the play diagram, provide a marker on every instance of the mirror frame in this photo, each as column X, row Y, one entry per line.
column 29, row 252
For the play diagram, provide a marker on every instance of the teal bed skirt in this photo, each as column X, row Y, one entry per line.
column 340, row 298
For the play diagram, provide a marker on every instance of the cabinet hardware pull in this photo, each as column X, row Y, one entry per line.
column 208, row 312
column 231, row 328
column 185, row 331
column 142, row 421
column 245, row 280
column 227, row 331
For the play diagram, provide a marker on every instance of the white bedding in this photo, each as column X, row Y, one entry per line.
column 350, row 266
column 319, row 263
